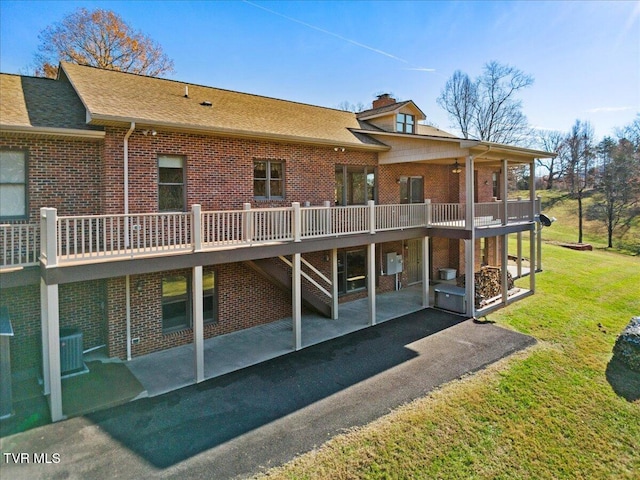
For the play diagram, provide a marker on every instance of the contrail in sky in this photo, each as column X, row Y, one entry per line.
column 353, row 42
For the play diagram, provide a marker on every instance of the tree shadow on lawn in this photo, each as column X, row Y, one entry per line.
column 624, row 381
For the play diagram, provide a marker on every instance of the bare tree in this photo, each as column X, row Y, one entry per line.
column 619, row 180
column 487, row 108
column 552, row 141
column 581, row 153
column 459, row 99
column 351, row 107
column 99, row 38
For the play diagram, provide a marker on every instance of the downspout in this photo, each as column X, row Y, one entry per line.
column 126, row 234
column 126, row 168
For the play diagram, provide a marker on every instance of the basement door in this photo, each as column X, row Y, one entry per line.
column 413, row 262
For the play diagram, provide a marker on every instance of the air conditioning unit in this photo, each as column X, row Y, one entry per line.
column 71, row 360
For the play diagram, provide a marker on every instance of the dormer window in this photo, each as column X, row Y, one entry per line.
column 405, row 123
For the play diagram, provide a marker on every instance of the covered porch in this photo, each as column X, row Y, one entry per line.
column 167, row 370
column 111, row 381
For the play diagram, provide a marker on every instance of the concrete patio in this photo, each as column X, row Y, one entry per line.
column 168, row 370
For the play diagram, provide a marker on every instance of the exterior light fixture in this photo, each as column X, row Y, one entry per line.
column 456, row 167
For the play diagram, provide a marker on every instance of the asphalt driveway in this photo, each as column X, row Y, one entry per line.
column 262, row 416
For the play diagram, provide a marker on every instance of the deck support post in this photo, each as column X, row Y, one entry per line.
column 538, row 236
column 470, row 279
column 425, row 272
column 371, row 282
column 519, row 261
column 532, row 239
column 50, row 317
column 532, row 261
column 505, row 192
column 504, row 261
column 470, row 244
column 296, row 301
column 198, row 322
column 334, row 283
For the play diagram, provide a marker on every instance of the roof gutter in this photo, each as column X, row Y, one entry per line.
column 55, row 132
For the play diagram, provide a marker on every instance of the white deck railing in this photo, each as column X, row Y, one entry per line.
column 88, row 237
column 19, row 245
column 91, row 238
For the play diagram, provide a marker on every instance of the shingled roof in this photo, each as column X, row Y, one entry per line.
column 37, row 103
column 112, row 97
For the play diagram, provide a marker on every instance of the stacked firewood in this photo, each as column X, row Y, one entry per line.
column 488, row 284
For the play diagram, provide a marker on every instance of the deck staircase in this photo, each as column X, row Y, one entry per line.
column 279, row 274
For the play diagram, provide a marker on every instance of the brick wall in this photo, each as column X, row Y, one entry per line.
column 81, row 305
column 219, row 170
column 438, row 182
column 63, row 174
column 245, row 300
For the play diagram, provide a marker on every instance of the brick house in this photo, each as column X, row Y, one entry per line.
column 151, row 213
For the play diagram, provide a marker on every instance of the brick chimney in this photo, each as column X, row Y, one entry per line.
column 383, row 100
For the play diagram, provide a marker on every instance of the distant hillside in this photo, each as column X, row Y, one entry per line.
column 558, row 204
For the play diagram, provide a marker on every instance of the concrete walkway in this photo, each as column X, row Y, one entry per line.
column 168, row 370
column 236, row 425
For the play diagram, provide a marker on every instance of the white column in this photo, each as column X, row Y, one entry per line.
column 470, row 285
column 532, row 239
column 198, row 322
column 532, row 261
column 334, row 284
column 51, row 316
column 127, row 313
column 425, row 272
column 44, row 325
column 539, row 236
column 470, row 244
column 505, row 192
column 371, row 282
column 503, row 265
column 519, row 254
column 296, row 301
column 469, row 195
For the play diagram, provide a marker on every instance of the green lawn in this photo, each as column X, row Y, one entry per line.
column 558, row 204
column 559, row 410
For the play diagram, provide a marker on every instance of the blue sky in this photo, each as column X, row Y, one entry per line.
column 584, row 56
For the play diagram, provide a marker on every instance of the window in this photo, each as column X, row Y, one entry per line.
column 171, row 191
column 405, row 123
column 13, row 184
column 411, row 190
column 209, row 298
column 268, row 179
column 496, row 185
column 355, row 185
column 352, row 271
column 176, row 301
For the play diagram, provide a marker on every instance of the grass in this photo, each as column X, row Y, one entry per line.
column 558, row 204
column 549, row 412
